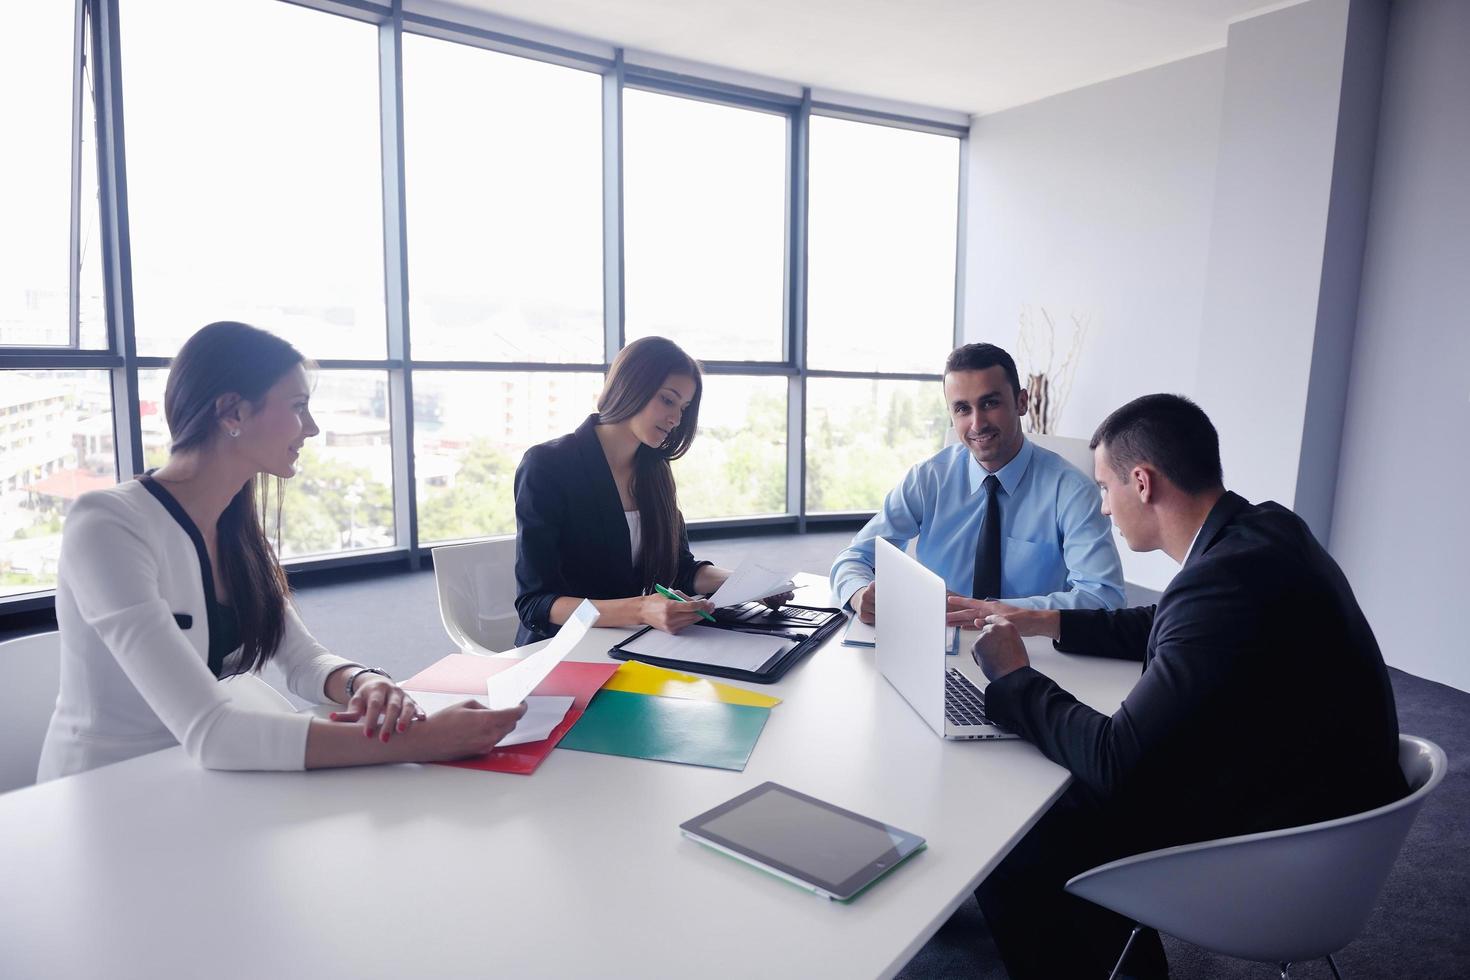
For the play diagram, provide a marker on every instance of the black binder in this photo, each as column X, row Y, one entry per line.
column 813, row 623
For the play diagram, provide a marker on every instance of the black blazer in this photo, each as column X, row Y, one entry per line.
column 571, row 535
column 1264, row 702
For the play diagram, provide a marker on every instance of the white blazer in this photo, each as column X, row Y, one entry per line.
column 133, row 680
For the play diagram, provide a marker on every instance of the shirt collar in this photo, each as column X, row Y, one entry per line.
column 1009, row 475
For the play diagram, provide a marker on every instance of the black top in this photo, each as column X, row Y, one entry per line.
column 1264, row 702
column 224, row 624
column 571, row 535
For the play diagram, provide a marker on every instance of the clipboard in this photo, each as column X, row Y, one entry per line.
column 813, row 623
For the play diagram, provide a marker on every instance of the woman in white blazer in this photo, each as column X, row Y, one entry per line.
column 167, row 585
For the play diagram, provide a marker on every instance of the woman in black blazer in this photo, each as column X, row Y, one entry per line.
column 596, row 511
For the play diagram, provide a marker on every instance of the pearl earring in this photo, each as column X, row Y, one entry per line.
column 234, row 433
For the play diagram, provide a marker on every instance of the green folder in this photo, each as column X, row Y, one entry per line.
column 643, row 726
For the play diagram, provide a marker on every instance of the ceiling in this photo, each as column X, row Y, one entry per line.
column 974, row 56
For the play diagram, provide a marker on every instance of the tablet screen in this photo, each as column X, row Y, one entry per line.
column 834, row 849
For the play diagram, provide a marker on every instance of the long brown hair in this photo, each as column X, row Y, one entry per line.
column 234, row 358
column 636, row 375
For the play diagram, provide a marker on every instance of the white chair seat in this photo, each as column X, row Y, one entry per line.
column 1282, row 896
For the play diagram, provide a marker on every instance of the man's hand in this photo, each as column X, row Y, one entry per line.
column 863, row 603
column 999, row 649
column 970, row 614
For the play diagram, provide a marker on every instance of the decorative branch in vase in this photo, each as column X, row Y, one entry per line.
column 1047, row 388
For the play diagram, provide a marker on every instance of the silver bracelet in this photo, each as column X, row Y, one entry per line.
column 352, row 681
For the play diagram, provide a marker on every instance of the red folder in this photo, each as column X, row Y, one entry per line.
column 462, row 673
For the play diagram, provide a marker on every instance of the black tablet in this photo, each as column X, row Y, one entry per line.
column 820, row 847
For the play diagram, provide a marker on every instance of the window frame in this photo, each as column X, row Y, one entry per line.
column 98, row 22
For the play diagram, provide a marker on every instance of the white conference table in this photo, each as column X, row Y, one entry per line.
column 156, row 868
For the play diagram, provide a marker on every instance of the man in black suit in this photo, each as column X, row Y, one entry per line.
column 1264, row 702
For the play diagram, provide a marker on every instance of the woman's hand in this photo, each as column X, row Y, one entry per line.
column 465, row 730
column 376, row 700
column 672, row 616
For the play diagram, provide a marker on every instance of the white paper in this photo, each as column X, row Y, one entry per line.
column 712, row 647
column 859, row 634
column 751, row 580
column 432, row 702
column 510, row 687
column 542, row 715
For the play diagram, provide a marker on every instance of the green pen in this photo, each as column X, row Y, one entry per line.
column 669, row 594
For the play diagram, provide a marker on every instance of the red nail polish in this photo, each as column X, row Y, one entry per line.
column 385, row 736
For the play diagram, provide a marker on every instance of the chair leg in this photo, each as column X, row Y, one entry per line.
column 1124, row 955
column 1333, row 963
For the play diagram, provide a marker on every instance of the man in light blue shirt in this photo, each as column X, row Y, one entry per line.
column 995, row 512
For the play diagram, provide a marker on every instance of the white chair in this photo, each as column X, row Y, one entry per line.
column 477, row 591
column 31, row 667
column 1281, row 897
column 1074, row 451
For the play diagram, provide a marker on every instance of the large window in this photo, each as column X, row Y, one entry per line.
column 55, row 445
column 254, row 184
column 737, row 465
column 37, row 91
column 470, row 429
column 882, row 249
column 504, row 175
column 460, row 264
column 704, row 205
column 863, row 435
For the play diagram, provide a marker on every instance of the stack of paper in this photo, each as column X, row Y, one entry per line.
column 542, row 715
column 467, row 676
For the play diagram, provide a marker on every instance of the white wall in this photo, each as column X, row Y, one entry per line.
column 1402, row 524
column 1098, row 202
column 1286, row 241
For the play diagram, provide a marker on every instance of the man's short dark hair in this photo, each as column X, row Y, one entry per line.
column 1168, row 432
column 978, row 357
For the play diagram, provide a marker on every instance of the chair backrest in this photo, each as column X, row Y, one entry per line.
column 1074, row 451
column 1282, row 896
column 31, row 667
column 477, row 589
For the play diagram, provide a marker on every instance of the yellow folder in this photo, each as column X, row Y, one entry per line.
column 640, row 678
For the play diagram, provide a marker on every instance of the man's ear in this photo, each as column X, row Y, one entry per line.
column 1143, row 483
column 1023, row 399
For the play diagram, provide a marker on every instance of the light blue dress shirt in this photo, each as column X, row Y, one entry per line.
column 1057, row 549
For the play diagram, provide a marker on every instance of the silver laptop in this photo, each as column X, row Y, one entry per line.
column 911, row 650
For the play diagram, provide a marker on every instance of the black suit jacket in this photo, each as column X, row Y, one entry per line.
column 571, row 535
column 1264, row 702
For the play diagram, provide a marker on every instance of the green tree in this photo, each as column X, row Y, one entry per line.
column 481, row 502
column 331, row 506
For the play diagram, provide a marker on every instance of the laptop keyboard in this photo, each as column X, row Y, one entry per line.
column 964, row 704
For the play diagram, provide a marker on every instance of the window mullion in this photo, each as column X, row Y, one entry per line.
column 395, row 282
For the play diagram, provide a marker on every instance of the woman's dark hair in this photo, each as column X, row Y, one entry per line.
column 221, row 359
column 1170, row 433
column 637, row 373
